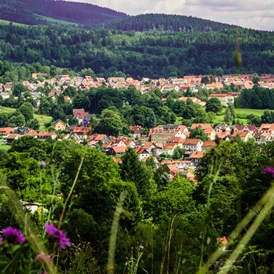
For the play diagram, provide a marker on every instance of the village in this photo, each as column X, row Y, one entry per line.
column 160, row 142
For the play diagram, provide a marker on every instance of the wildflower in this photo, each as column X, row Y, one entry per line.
column 141, row 247
column 43, row 164
column 13, row 235
column 43, row 257
column 269, row 170
column 59, row 235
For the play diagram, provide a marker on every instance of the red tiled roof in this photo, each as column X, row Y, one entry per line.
column 119, row 149
column 196, row 155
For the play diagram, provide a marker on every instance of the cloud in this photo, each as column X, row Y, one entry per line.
column 256, row 14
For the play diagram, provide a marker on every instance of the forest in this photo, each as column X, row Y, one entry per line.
column 152, row 54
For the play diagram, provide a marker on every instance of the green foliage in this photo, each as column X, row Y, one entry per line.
column 198, row 133
column 213, row 105
column 27, row 110
column 133, row 170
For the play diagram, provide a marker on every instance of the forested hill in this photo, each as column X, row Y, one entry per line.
column 167, row 22
column 33, row 12
column 151, row 54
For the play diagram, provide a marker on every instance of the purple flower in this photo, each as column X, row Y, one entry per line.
column 43, row 164
column 59, row 235
column 141, row 247
column 269, row 170
column 13, row 236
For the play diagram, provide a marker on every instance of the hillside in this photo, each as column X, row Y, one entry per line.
column 151, row 54
column 33, row 12
column 165, row 22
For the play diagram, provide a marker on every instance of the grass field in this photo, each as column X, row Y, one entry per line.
column 5, row 22
column 41, row 118
column 4, row 147
column 241, row 115
column 52, row 20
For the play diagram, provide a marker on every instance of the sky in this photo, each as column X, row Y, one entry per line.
column 255, row 14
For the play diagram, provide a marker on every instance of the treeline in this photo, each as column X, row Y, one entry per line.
column 165, row 22
column 152, row 54
column 256, row 98
column 160, row 215
column 31, row 12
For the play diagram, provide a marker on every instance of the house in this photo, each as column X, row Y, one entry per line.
column 195, row 157
column 6, row 130
column 208, row 130
column 143, row 153
column 191, row 145
column 115, row 151
column 176, row 140
column 81, row 131
column 182, row 165
column 44, row 135
column 59, row 125
column 244, row 135
column 266, row 128
column 135, row 131
column 161, row 134
column 169, row 149
column 12, row 137
column 208, row 145
column 74, row 137
column 225, row 98
column 79, row 114
column 99, row 138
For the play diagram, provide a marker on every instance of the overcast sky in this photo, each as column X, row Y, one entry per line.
column 256, row 14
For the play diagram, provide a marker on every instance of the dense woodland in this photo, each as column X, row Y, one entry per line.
column 151, row 54
column 165, row 22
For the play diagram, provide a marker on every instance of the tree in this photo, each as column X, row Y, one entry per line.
column 256, row 78
column 198, row 133
column 33, row 123
column 110, row 123
column 27, row 110
column 178, row 153
column 228, row 118
column 133, row 170
column 213, row 105
column 18, row 89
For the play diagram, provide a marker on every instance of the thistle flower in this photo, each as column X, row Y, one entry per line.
column 43, row 164
column 58, row 235
column 269, row 170
column 13, row 236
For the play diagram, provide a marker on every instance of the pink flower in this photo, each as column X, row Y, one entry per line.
column 59, row 235
column 43, row 257
column 13, row 236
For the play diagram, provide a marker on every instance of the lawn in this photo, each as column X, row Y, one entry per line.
column 4, row 147
column 41, row 118
column 241, row 115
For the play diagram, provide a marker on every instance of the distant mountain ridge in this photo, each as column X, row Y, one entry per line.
column 33, row 12
column 166, row 22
